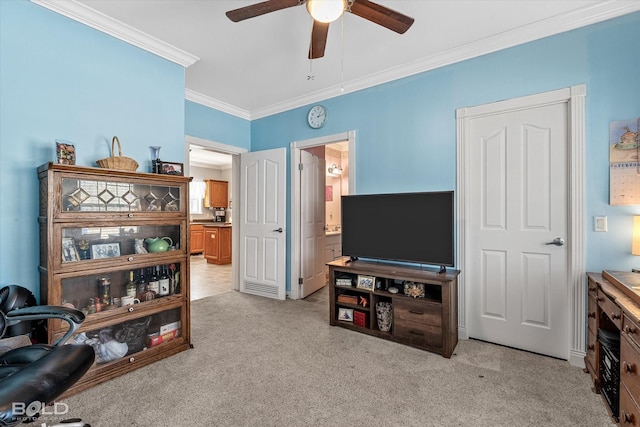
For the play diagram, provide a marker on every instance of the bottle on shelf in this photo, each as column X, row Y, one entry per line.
column 141, row 284
column 131, row 287
column 105, row 291
column 154, row 280
column 164, row 282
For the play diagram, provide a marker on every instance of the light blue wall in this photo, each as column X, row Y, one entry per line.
column 406, row 129
column 62, row 79
column 213, row 125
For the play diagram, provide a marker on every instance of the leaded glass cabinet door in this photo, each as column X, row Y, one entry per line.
column 92, row 196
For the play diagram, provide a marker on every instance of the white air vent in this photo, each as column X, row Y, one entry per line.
column 260, row 289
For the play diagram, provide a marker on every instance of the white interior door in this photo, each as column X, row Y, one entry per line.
column 262, row 223
column 312, row 245
column 517, row 283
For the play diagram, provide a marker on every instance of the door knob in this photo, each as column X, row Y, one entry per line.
column 279, row 230
column 558, row 241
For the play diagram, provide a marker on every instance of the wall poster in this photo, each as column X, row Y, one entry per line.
column 624, row 166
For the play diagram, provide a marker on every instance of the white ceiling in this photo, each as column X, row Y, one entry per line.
column 259, row 66
column 203, row 157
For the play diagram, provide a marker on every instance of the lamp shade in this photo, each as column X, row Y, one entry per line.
column 635, row 244
column 326, row 10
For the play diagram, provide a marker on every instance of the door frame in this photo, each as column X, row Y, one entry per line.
column 235, row 191
column 296, row 214
column 574, row 97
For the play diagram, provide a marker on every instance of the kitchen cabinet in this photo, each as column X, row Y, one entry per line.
column 196, row 241
column 217, row 244
column 216, row 194
column 95, row 228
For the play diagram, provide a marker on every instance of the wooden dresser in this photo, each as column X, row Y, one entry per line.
column 614, row 312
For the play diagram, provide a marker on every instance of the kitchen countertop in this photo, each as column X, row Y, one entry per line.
column 211, row 223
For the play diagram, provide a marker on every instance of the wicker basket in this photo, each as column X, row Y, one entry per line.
column 118, row 162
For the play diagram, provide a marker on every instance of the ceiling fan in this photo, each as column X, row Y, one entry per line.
column 324, row 12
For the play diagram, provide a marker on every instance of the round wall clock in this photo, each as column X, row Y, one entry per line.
column 317, row 116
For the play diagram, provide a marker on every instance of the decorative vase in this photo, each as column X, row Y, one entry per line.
column 384, row 315
column 155, row 156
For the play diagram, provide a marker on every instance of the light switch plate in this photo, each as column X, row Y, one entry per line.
column 599, row 223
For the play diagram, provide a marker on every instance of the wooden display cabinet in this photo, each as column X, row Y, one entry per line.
column 429, row 322
column 94, row 226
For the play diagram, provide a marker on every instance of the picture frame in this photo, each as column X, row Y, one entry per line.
column 328, row 193
column 366, row 282
column 65, row 152
column 170, row 168
column 69, row 251
column 345, row 314
column 105, row 250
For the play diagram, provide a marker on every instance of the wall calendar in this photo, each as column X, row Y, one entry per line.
column 624, row 165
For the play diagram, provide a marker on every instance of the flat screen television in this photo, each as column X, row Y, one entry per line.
column 407, row 227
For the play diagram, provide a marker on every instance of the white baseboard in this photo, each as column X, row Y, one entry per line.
column 576, row 358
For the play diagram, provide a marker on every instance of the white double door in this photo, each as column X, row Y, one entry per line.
column 516, row 278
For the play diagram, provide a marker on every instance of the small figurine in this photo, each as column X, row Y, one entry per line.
column 363, row 302
column 139, row 246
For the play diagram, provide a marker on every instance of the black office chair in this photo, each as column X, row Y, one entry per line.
column 35, row 375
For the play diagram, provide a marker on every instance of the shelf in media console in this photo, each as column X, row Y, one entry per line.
column 392, row 270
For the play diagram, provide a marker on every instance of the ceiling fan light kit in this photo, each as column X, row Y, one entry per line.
column 326, row 11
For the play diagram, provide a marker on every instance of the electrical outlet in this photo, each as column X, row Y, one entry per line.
column 599, row 223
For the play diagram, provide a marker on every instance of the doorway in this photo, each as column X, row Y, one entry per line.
column 316, row 219
column 526, row 293
column 204, row 160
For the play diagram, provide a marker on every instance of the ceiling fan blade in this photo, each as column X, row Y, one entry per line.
column 258, row 9
column 381, row 15
column 318, row 39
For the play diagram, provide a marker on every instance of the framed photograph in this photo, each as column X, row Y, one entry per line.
column 366, row 282
column 170, row 168
column 69, row 252
column 65, row 152
column 105, row 250
column 345, row 314
column 328, row 193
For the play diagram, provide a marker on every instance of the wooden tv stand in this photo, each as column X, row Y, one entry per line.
column 429, row 322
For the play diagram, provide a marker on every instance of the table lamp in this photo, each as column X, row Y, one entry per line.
column 635, row 243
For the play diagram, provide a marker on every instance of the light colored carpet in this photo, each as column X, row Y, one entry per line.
column 262, row 362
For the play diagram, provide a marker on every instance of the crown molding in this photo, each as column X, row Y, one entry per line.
column 595, row 13
column 598, row 12
column 101, row 22
column 207, row 101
